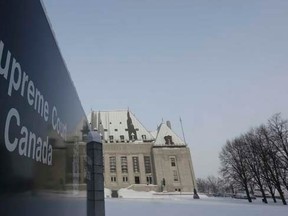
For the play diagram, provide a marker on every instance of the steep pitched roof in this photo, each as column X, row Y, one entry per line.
column 154, row 133
column 122, row 125
column 167, row 137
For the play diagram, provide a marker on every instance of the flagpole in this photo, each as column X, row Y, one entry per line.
column 183, row 131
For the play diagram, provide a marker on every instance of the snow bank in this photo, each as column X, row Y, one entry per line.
column 129, row 193
column 132, row 194
column 107, row 193
column 203, row 196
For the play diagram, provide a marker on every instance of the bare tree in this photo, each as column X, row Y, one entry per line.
column 234, row 166
column 271, row 161
column 213, row 185
column 259, row 158
column 202, row 185
column 278, row 129
column 254, row 162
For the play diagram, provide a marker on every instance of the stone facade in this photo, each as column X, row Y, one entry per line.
column 175, row 166
column 142, row 160
column 126, row 178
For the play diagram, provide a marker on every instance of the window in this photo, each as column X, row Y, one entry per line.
column 173, row 161
column 105, row 130
column 122, row 138
column 124, row 167
column 113, row 179
column 125, row 178
column 175, row 175
column 135, row 164
column 168, row 140
column 149, row 179
column 112, row 161
column 133, row 136
column 115, row 129
column 137, row 179
column 144, row 137
column 111, row 138
column 147, row 163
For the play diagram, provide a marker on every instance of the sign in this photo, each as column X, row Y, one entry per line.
column 42, row 122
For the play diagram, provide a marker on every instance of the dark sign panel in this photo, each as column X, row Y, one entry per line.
column 42, row 122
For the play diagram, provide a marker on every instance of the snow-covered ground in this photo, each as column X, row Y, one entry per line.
column 176, row 204
column 188, row 206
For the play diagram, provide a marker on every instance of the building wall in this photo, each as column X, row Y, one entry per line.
column 160, row 166
column 183, row 167
column 124, row 136
column 129, row 150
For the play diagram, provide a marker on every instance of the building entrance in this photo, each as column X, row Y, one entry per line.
column 137, row 180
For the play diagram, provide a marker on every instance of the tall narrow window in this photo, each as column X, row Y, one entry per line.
column 124, row 167
column 173, row 161
column 125, row 178
column 112, row 161
column 113, row 179
column 135, row 164
column 147, row 163
column 149, row 179
column 144, row 137
column 122, row 138
column 111, row 139
column 175, row 175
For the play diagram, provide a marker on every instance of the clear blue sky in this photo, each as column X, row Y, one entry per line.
column 221, row 65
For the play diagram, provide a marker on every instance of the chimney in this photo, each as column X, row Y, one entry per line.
column 168, row 123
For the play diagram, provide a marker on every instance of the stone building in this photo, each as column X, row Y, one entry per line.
column 139, row 159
